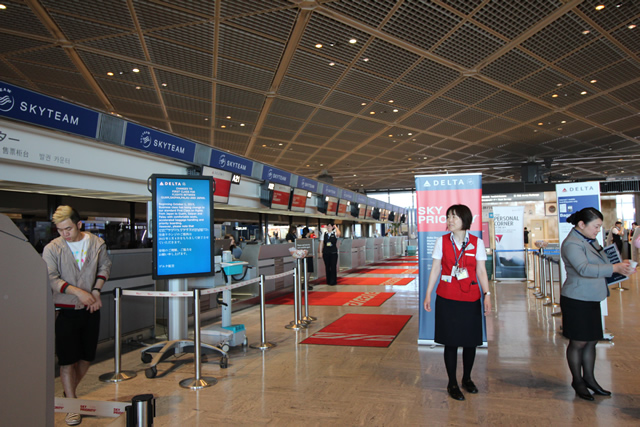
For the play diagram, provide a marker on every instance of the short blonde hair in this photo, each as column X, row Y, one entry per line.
column 65, row 212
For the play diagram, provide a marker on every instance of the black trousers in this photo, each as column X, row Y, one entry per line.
column 331, row 267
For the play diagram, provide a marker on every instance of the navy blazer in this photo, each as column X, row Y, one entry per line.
column 587, row 266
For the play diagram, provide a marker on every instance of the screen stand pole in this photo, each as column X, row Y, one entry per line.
column 177, row 311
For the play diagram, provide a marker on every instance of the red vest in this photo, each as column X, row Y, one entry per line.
column 459, row 290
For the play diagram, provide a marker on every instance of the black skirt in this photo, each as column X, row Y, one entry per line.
column 581, row 320
column 458, row 323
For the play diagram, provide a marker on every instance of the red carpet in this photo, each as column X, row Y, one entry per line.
column 395, row 264
column 361, row 330
column 388, row 281
column 384, row 271
column 369, row 299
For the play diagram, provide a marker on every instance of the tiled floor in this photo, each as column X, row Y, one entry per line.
column 522, row 376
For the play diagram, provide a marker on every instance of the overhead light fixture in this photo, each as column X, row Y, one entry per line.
column 391, row 101
column 241, row 124
column 366, row 59
column 319, row 45
column 564, row 121
column 600, row 7
column 2, row 6
column 364, row 103
column 632, row 26
column 164, row 85
column 228, row 117
column 308, row 194
column 395, row 110
column 224, row 127
column 110, row 73
column 353, row 41
column 555, row 95
column 372, row 112
column 585, row 32
column 136, row 70
column 584, row 92
column 593, row 81
column 138, row 87
column 331, row 64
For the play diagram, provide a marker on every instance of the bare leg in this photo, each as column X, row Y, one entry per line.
column 71, row 375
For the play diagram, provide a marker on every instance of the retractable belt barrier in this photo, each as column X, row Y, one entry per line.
column 192, row 383
column 543, row 277
column 138, row 413
column 299, row 281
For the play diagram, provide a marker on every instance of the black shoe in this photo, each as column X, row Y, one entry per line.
column 309, row 287
column 582, row 392
column 454, row 392
column 598, row 390
column 331, row 284
column 469, row 386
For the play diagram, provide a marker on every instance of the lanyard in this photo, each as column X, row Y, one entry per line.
column 464, row 245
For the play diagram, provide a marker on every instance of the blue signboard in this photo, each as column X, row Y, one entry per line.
column 231, row 163
column 361, row 198
column 182, row 226
column 275, row 175
column 31, row 107
column 154, row 141
column 347, row 195
column 307, row 184
column 329, row 190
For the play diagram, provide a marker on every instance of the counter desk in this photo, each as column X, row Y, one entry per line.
column 352, row 253
column 374, row 250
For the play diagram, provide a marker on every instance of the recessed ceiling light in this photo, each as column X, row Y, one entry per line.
column 584, row 92
column 138, row 87
column 593, row 81
column 600, row 7
column 395, row 110
column 390, row 135
column 223, row 127
column 564, row 121
column 228, row 117
column 372, row 112
column 366, row 59
column 409, row 158
column 321, row 164
column 280, row 143
column 391, row 101
column 331, row 64
column 364, row 103
column 555, row 95
column 164, row 85
column 110, row 73
column 2, row 6
column 136, row 70
column 206, row 119
column 353, row 41
column 559, row 84
column 319, row 45
column 632, row 26
column 540, row 124
column 409, row 134
column 585, row 32
column 241, row 124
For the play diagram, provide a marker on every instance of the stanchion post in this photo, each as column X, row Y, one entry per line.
column 306, row 317
column 117, row 375
column 296, row 324
column 263, row 345
column 549, row 291
column 495, row 255
column 198, row 382
column 553, row 299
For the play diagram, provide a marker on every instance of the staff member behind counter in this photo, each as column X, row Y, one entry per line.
column 328, row 248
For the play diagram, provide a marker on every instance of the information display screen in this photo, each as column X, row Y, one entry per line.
column 362, row 210
column 342, row 207
column 280, row 197
column 182, row 226
column 332, row 205
column 299, row 200
column 369, row 212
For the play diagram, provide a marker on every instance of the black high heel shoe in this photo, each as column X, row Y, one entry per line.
column 598, row 390
column 582, row 392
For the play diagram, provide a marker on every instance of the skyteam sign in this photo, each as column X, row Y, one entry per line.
column 329, row 190
column 146, row 139
column 307, row 184
column 347, row 195
column 361, row 198
column 231, row 163
column 275, row 175
column 31, row 107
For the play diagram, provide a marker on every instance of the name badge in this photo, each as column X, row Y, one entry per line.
column 461, row 273
column 328, row 243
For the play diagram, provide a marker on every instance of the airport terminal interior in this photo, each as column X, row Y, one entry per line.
column 293, row 115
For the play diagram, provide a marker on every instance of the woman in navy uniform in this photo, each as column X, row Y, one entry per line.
column 328, row 248
column 460, row 257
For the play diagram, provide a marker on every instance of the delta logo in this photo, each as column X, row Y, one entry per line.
column 499, row 237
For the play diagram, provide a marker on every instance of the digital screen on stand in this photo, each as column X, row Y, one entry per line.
column 182, row 226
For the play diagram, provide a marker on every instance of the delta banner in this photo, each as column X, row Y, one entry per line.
column 508, row 223
column 573, row 197
column 434, row 195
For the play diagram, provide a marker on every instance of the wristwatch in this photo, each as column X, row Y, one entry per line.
column 487, row 293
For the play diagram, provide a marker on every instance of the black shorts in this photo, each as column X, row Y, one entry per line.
column 76, row 336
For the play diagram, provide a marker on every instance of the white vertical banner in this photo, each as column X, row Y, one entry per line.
column 508, row 223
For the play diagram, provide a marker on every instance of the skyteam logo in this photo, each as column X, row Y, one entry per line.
column 145, row 139
column 270, row 174
column 6, row 100
column 222, row 162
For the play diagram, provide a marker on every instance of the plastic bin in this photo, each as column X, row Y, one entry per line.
column 412, row 250
column 233, row 267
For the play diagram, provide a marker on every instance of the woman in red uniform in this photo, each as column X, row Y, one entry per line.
column 460, row 257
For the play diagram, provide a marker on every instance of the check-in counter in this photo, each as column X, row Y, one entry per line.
column 386, row 247
column 270, row 260
column 352, row 253
column 130, row 270
column 374, row 250
column 396, row 246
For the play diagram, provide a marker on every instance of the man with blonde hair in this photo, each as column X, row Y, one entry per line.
column 78, row 267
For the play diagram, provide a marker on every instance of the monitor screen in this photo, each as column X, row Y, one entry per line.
column 280, row 196
column 342, row 207
column 299, row 200
column 182, row 226
column 392, row 216
column 375, row 214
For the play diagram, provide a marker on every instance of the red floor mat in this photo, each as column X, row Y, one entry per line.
column 361, row 330
column 384, row 271
column 386, row 281
column 369, row 299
